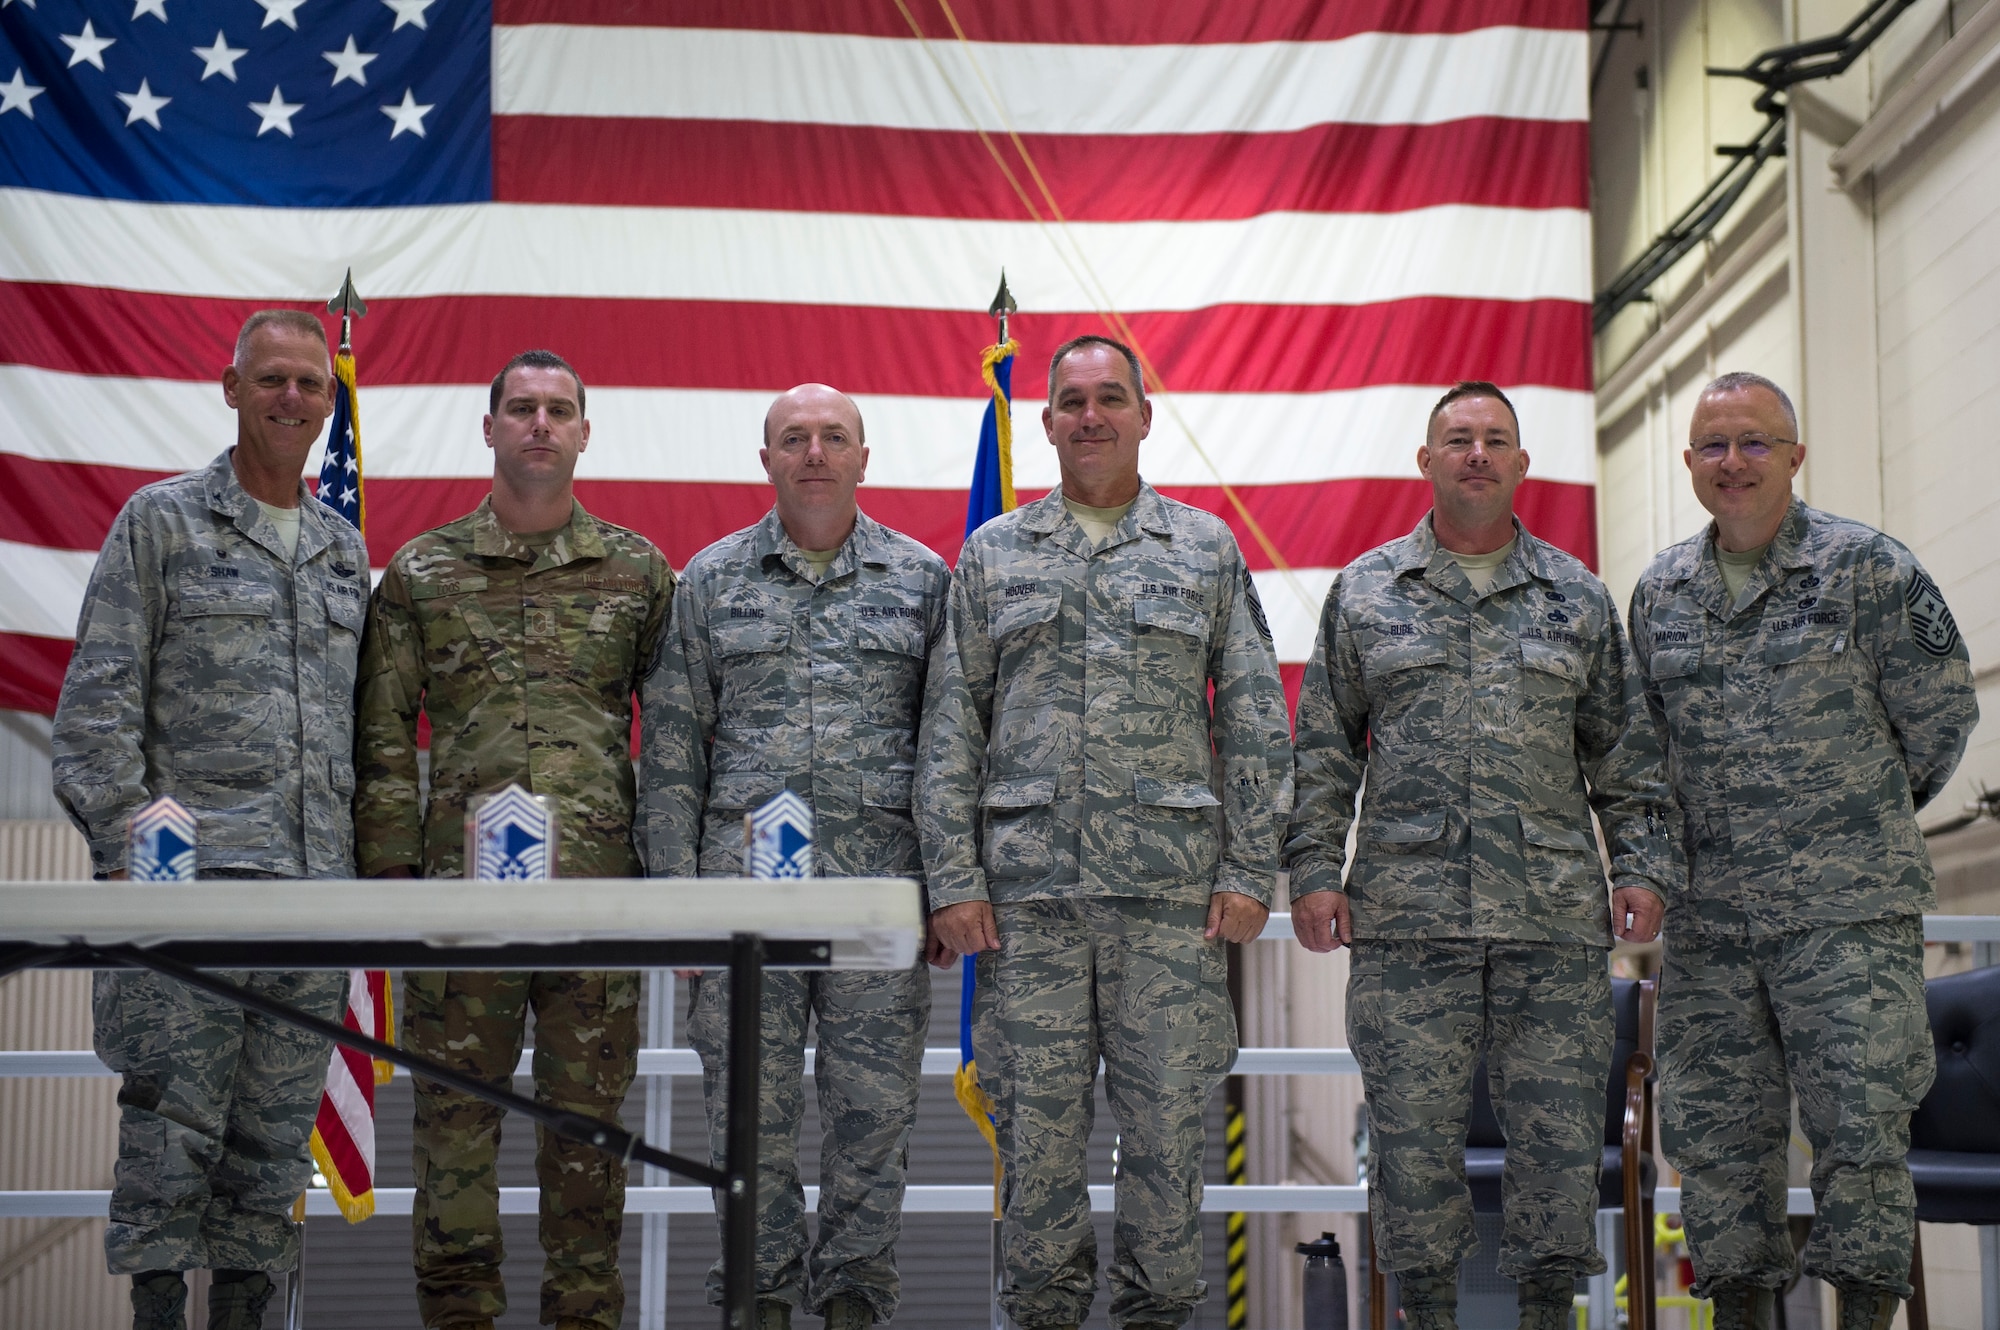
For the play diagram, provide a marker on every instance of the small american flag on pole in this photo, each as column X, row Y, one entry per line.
column 343, row 1139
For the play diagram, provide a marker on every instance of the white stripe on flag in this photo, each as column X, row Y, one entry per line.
column 677, row 434
column 793, row 257
column 1260, row 87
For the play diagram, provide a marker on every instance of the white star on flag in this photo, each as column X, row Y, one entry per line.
column 19, row 95
column 407, row 11
column 143, row 105
column 157, row 8
column 87, row 45
column 277, row 113
column 220, row 58
column 349, row 64
column 29, row 3
column 409, row 115
column 280, row 11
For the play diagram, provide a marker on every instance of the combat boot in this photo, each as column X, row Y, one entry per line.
column 1741, row 1306
column 1430, row 1299
column 159, row 1300
column 846, row 1312
column 1548, row 1302
column 237, row 1298
column 1866, row 1307
column 774, row 1315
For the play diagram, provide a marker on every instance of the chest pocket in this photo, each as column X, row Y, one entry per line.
column 1812, row 684
column 891, row 663
column 223, row 628
column 1020, row 614
column 606, row 618
column 1169, row 651
column 1552, row 678
column 1405, row 679
column 750, row 665
column 449, row 611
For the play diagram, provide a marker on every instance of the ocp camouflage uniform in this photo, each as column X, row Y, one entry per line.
column 1806, row 723
column 525, row 662
column 1074, row 775
column 772, row 680
column 1489, row 726
column 213, row 666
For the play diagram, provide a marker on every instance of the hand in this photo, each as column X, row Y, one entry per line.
column 1642, row 907
column 936, row 954
column 1235, row 917
column 117, row 875
column 1323, row 921
column 396, row 870
column 967, row 927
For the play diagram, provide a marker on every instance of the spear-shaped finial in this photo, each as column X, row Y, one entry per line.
column 348, row 304
column 1003, row 305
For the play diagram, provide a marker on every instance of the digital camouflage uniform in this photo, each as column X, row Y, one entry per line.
column 1489, row 726
column 770, row 681
column 1806, row 724
column 1073, row 775
column 526, row 664
column 212, row 666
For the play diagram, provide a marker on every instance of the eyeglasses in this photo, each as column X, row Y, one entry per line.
column 1753, row 447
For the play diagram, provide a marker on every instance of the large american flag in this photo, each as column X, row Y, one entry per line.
column 1313, row 214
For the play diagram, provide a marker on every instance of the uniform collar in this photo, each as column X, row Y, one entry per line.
column 227, row 497
column 579, row 540
column 866, row 544
column 1702, row 572
column 1420, row 552
column 1047, row 516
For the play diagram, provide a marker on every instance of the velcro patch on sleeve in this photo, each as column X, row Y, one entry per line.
column 1931, row 624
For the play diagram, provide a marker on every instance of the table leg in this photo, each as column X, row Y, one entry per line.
column 739, row 1236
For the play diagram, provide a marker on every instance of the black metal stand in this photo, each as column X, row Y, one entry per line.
column 746, row 955
column 739, row 1208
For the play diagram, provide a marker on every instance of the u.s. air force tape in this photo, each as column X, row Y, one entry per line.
column 1931, row 624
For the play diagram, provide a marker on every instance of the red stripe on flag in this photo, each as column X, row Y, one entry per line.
column 1321, row 524
column 759, row 346
column 635, row 162
column 1120, row 23
column 32, row 672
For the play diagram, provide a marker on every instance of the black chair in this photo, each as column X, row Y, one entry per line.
column 1630, row 1171
column 1954, row 1139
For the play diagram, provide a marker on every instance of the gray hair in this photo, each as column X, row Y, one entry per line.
column 1737, row 380
column 292, row 320
column 1094, row 339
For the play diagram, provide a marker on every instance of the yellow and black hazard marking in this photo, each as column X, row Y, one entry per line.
column 1238, row 1223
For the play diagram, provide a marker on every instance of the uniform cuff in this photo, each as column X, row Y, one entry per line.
column 1316, row 875
column 1257, row 886
column 956, row 887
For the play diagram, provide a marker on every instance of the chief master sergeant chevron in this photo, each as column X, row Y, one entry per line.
column 796, row 658
column 1815, row 694
column 215, row 662
column 1479, row 677
column 521, row 630
column 1093, row 831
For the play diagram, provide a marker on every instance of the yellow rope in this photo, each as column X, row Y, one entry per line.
column 1003, row 418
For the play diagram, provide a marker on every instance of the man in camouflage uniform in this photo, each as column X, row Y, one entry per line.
column 214, row 662
column 1815, row 693
column 1094, row 832
column 795, row 659
column 521, row 631
column 1480, row 681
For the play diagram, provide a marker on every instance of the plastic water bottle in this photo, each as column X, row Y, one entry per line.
column 1326, row 1284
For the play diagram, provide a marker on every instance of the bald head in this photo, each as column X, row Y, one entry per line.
column 814, row 399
